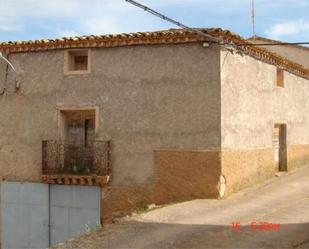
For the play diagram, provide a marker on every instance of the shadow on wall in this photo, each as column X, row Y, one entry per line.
column 159, row 235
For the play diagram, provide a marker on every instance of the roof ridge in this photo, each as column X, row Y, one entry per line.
column 171, row 36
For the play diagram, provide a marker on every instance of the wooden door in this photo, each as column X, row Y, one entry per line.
column 280, row 146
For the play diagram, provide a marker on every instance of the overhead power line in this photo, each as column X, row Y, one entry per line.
column 199, row 32
column 155, row 13
column 276, row 44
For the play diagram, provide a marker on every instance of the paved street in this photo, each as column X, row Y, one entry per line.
column 281, row 203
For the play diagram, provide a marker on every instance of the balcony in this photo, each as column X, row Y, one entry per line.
column 74, row 163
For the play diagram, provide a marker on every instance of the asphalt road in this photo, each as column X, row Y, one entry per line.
column 274, row 214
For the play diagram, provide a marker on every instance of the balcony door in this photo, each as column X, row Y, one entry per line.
column 79, row 127
column 78, row 137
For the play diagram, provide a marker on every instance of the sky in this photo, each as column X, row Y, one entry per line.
column 286, row 20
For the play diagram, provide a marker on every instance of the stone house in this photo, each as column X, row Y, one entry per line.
column 152, row 117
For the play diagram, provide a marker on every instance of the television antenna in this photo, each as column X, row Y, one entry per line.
column 253, row 19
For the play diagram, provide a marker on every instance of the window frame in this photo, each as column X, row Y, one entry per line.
column 69, row 55
column 280, row 78
column 61, row 110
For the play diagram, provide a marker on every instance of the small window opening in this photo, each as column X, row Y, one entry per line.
column 80, row 62
column 280, row 77
column 77, row 61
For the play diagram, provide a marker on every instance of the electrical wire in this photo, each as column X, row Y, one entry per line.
column 155, row 13
column 199, row 32
column 276, row 44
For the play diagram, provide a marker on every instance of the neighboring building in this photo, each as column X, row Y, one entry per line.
column 160, row 116
column 295, row 53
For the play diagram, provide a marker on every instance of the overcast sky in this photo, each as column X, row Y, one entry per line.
column 36, row 19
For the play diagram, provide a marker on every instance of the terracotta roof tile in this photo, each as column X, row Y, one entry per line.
column 158, row 37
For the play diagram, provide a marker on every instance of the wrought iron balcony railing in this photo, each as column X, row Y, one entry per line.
column 73, row 158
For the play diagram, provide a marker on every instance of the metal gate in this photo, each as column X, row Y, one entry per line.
column 72, row 210
column 25, row 215
column 35, row 215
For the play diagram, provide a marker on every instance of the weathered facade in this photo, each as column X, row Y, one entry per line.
column 185, row 119
column 251, row 105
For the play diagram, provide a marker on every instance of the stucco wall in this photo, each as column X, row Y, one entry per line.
column 149, row 97
column 251, row 105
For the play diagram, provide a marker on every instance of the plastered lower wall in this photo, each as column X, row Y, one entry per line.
column 180, row 175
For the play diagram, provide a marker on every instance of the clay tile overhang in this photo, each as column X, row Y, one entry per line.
column 171, row 36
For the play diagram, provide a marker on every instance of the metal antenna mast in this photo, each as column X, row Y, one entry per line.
column 253, row 20
column 155, row 13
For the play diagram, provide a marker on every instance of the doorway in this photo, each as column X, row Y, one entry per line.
column 280, row 146
column 78, row 126
column 77, row 135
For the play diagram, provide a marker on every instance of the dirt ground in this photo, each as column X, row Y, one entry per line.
column 274, row 214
